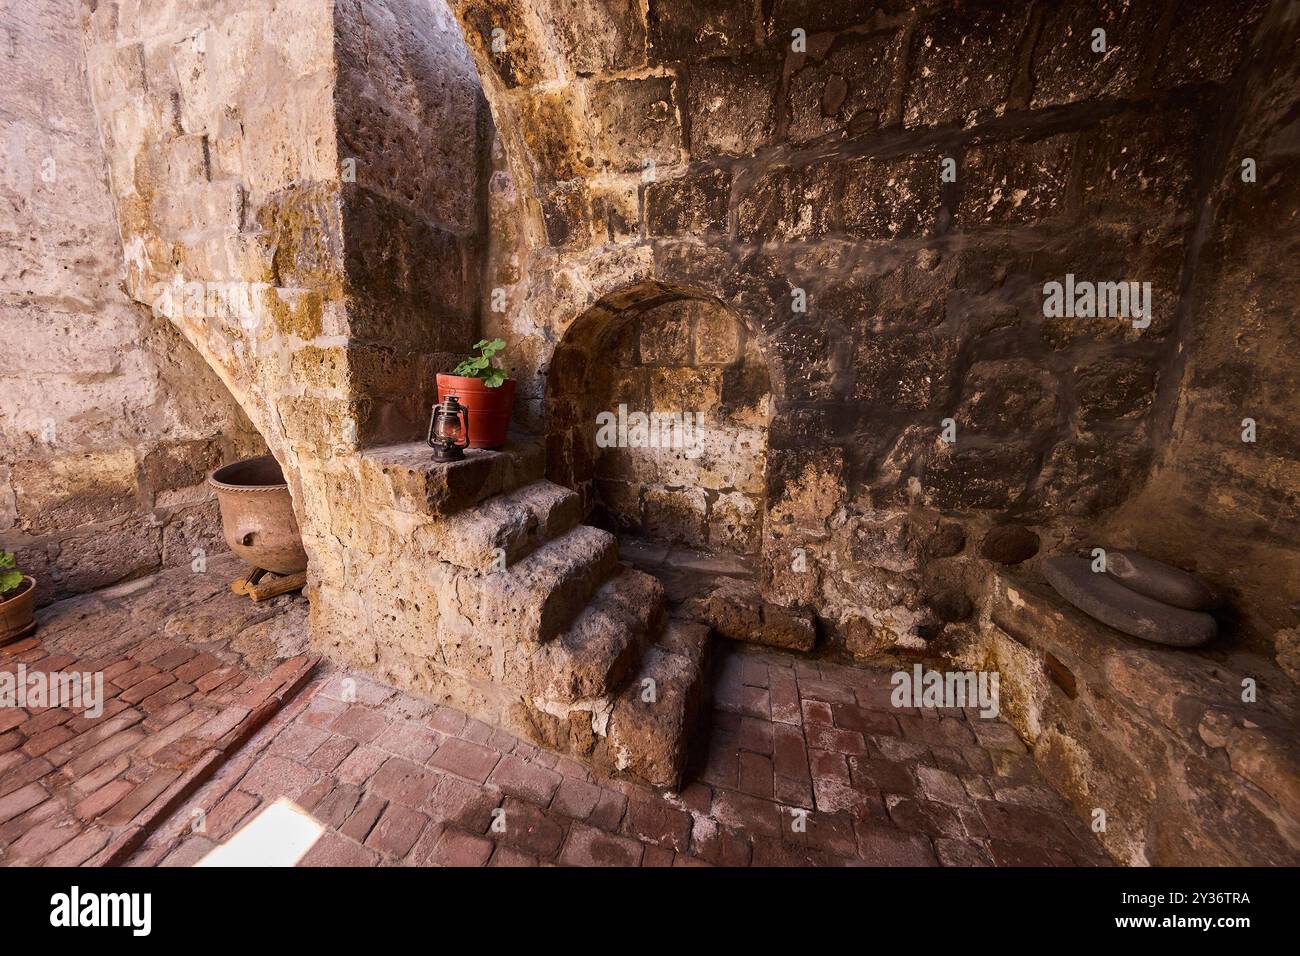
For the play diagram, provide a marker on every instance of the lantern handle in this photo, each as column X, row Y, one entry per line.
column 465, row 411
column 433, row 416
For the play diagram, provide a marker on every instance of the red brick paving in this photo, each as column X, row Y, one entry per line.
column 805, row 764
column 82, row 790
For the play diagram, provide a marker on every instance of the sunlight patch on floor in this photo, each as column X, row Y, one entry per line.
column 278, row 836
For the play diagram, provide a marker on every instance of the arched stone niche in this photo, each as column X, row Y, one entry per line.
column 658, row 404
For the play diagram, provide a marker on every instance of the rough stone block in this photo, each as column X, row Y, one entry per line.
column 116, row 71
column 897, row 199
column 846, row 90
column 734, row 523
column 723, row 458
column 665, row 333
column 965, row 475
column 1086, row 475
column 789, row 204
column 685, row 390
column 1015, row 182
column 1114, row 388
column 1066, row 68
column 568, row 215
column 736, row 610
column 717, row 338
column 688, row 204
column 914, row 372
column 732, row 106
column 703, row 29
column 598, row 38
column 1136, row 162
column 677, row 515
column 179, row 464
column 963, row 58
column 1007, row 397
column 636, row 122
column 75, row 489
column 558, row 133
column 650, row 726
column 87, row 562
column 523, row 60
column 1189, row 58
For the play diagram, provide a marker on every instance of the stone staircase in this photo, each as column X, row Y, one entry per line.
column 503, row 605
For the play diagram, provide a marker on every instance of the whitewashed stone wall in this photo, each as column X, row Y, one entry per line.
column 109, row 419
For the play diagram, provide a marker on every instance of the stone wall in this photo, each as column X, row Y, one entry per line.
column 110, row 420
column 218, row 122
column 878, row 197
column 1220, row 504
column 789, row 159
column 411, row 115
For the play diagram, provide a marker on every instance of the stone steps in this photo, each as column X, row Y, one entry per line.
column 513, row 524
column 643, row 729
column 538, row 596
column 563, row 643
column 405, row 477
column 648, row 739
column 736, row 610
column 607, row 638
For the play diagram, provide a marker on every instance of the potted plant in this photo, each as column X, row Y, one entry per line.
column 17, row 600
column 485, row 390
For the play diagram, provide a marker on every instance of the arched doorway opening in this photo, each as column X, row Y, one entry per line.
column 658, row 403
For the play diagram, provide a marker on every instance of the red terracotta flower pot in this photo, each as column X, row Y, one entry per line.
column 17, row 612
column 489, row 408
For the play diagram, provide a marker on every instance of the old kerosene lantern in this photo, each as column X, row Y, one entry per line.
column 449, row 430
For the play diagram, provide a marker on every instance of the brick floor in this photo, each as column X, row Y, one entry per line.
column 806, row 763
column 82, row 790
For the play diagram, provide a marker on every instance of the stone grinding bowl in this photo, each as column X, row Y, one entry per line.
column 257, row 514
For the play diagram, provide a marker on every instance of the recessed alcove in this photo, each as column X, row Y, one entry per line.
column 658, row 415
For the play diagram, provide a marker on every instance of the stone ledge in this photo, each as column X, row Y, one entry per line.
column 405, row 477
column 1188, row 772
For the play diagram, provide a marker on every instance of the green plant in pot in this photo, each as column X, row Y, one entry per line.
column 486, row 390
column 17, row 600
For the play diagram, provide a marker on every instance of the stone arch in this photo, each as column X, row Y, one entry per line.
column 329, row 162
column 657, row 404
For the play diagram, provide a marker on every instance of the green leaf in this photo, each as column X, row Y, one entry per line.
column 481, row 366
column 10, row 581
column 7, row 559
